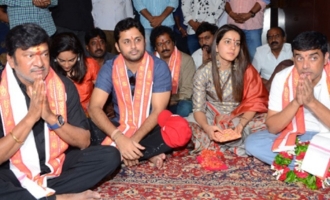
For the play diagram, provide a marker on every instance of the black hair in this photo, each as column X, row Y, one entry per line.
column 160, row 30
column 310, row 40
column 25, row 36
column 278, row 28
column 127, row 24
column 68, row 42
column 94, row 33
column 205, row 26
column 241, row 63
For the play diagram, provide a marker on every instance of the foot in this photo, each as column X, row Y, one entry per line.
column 158, row 160
column 88, row 194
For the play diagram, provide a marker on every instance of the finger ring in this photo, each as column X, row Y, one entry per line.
column 34, row 92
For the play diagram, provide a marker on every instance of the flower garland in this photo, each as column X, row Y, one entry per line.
column 283, row 172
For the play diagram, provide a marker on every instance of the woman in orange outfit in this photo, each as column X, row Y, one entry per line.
column 67, row 58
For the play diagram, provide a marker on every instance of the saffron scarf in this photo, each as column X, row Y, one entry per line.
column 25, row 162
column 287, row 138
column 255, row 95
column 175, row 65
column 132, row 112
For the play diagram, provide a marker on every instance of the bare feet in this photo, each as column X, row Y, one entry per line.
column 88, row 194
column 158, row 160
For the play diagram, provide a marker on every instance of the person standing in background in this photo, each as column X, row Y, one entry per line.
column 31, row 11
column 115, row 10
column 249, row 16
column 155, row 13
column 197, row 11
column 73, row 16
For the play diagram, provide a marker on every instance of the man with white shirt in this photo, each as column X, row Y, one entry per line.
column 299, row 103
column 268, row 56
column 107, row 14
column 205, row 33
column 197, row 11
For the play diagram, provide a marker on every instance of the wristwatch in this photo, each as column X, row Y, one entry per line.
column 252, row 14
column 60, row 122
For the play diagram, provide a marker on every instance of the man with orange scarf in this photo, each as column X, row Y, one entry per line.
column 140, row 85
column 182, row 69
column 299, row 100
column 44, row 135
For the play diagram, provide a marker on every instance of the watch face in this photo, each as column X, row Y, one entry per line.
column 60, row 120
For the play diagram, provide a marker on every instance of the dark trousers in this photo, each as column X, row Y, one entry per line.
column 153, row 141
column 82, row 169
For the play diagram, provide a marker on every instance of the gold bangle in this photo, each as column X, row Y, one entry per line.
column 15, row 138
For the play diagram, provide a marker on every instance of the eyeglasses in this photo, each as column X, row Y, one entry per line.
column 132, row 81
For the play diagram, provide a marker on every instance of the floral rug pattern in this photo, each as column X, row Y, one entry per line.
column 183, row 178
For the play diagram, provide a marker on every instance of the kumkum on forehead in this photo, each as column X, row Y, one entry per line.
column 38, row 49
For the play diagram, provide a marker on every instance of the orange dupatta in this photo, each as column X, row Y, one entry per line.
column 255, row 95
column 132, row 113
column 175, row 65
column 297, row 125
column 55, row 146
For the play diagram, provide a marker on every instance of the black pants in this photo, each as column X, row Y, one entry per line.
column 82, row 169
column 153, row 141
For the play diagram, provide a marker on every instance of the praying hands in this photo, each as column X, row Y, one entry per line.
column 305, row 95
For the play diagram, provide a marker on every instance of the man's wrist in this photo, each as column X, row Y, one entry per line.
column 253, row 14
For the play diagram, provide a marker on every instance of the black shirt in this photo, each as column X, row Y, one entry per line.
column 73, row 14
column 75, row 117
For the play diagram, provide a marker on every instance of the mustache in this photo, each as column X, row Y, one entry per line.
column 99, row 50
column 207, row 47
column 165, row 50
column 273, row 43
column 35, row 69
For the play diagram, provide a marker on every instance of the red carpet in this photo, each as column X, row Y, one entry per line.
column 182, row 178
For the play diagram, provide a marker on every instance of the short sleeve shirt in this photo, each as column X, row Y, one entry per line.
column 162, row 81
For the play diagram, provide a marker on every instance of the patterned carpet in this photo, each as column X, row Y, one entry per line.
column 183, row 178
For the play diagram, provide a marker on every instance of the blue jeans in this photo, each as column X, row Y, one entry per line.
column 260, row 144
column 193, row 43
column 253, row 40
column 183, row 108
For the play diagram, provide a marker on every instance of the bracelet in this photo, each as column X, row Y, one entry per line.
column 113, row 133
column 116, row 134
column 15, row 138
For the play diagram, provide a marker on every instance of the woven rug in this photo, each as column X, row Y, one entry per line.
column 182, row 178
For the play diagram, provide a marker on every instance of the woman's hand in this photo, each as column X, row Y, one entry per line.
column 211, row 132
column 239, row 128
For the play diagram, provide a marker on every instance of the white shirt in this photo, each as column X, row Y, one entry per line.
column 265, row 62
column 320, row 93
column 107, row 13
column 201, row 11
column 198, row 57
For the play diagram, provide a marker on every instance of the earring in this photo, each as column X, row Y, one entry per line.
column 55, row 60
column 235, row 64
column 78, row 59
